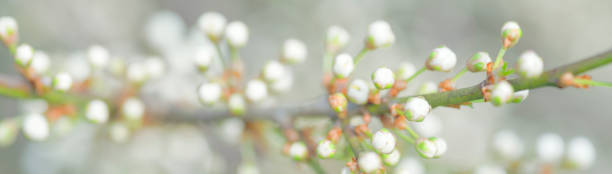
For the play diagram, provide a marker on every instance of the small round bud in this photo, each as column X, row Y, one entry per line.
column 383, row 78
column 256, row 90
column 508, row 145
column 8, row 132
column 380, row 35
column 155, row 67
column 338, row 102
column 383, row 141
column 479, row 62
column 502, row 93
column 490, row 169
column 410, row 165
column 237, row 34
column 358, row 92
column 337, row 38
column 294, row 51
column 416, row 108
column 133, row 109
column 203, row 57
column 283, row 84
column 581, row 153
column 212, row 24
column 298, row 151
column 24, row 55
column 62, row 82
column 428, row 88
column 441, row 59
column 98, row 56
column 36, row 127
column 273, row 71
column 440, row 146
column 510, row 34
column 530, row 65
column 119, row 132
column 343, row 65
column 209, row 93
column 236, row 104
column 326, row 149
column 369, row 162
column 97, row 111
column 550, row 147
column 40, row 62
column 137, row 73
column 431, row 147
column 8, row 30
column 519, row 96
column 392, row 158
column 406, row 70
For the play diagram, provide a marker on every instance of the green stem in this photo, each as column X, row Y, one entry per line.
column 220, row 55
column 327, row 62
column 12, row 48
column 593, row 83
column 500, row 57
column 454, row 79
column 233, row 53
column 13, row 92
column 315, row 166
column 403, row 136
column 360, row 55
column 416, row 74
column 412, row 133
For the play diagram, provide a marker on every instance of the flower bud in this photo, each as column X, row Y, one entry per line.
column 62, row 82
column 441, row 59
column 40, row 62
column 294, row 51
column 369, row 162
column 137, row 73
column 358, row 92
column 36, row 127
column 550, row 147
column 256, row 90
column 237, row 34
column 119, row 132
column 383, row 141
column 416, row 108
column 337, row 38
column 508, row 145
column 581, row 153
column 519, row 96
column 8, row 132
column 410, row 165
column 392, row 158
column 8, row 30
column 212, row 24
column 97, row 111
column 428, row 88
column 155, row 67
column 298, row 151
column 283, row 84
column 440, row 146
column 209, row 93
column 236, row 104
column 530, row 65
column 203, row 57
column 510, row 33
column 98, row 56
column 479, row 62
column 383, row 78
column 326, row 149
column 24, row 55
column 380, row 35
column 343, row 65
column 338, row 102
column 431, row 147
column 502, row 93
column 273, row 71
column 406, row 70
column 133, row 109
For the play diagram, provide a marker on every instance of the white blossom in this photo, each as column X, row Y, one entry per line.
column 24, row 55
column 236, row 104
column 133, row 109
column 40, row 62
column 35, row 127
column 478, row 62
column 97, row 111
column 137, row 72
column 441, row 59
column 550, row 147
column 380, row 35
column 383, row 78
column 237, row 34
column 326, row 149
column 369, row 162
column 581, row 153
column 155, row 67
column 98, row 56
column 298, row 151
column 406, row 70
column 510, row 33
column 209, row 93
column 502, row 93
column 416, row 109
column 294, row 51
column 204, row 56
column 212, row 24
column 283, row 84
column 273, row 71
column 337, row 38
column 392, row 158
column 62, row 81
column 358, row 92
column 8, row 30
column 383, row 141
column 256, row 90
column 409, row 165
column 343, row 65
column 530, row 65
column 508, row 145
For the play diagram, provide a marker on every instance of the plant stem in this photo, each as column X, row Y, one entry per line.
column 593, row 83
column 360, row 55
column 454, row 79
column 412, row 133
column 416, row 74
column 500, row 57
column 403, row 136
column 314, row 164
column 327, row 61
column 220, row 55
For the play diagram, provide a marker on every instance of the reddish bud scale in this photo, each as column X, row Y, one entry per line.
column 334, row 134
column 398, row 87
column 446, row 85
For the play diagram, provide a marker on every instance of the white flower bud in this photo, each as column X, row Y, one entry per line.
column 119, row 132
column 406, row 70
column 358, row 92
column 392, row 158
column 510, row 33
column 580, row 153
column 97, row 111
column 432, row 126
column 62, row 81
column 294, row 51
column 502, row 93
column 133, row 109
column 479, row 62
column 380, row 35
column 8, row 30
column 383, row 141
column 98, row 56
column 204, row 56
column 441, row 146
column 343, row 65
column 369, row 162
column 416, row 108
column 383, row 78
column 36, row 127
column 337, row 37
column 490, row 169
column 248, row 168
column 237, row 34
column 550, row 147
column 40, row 62
column 441, row 59
column 137, row 72
column 273, row 71
column 519, row 96
column 212, row 24
column 409, row 165
column 428, row 88
column 338, row 102
column 209, row 93
column 236, row 104
column 298, row 151
column 8, row 132
column 256, row 90
column 431, row 147
column 530, row 65
column 508, row 145
column 283, row 84
column 326, row 149
column 24, row 55
column 155, row 67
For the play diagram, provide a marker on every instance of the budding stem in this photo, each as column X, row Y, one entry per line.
column 220, row 55
column 459, row 74
column 592, row 82
column 12, row 48
column 416, row 74
column 500, row 57
column 360, row 55
column 327, row 61
column 412, row 133
column 403, row 136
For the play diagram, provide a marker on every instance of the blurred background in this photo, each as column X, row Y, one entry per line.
column 559, row 31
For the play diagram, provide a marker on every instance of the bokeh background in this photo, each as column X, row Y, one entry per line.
column 560, row 31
